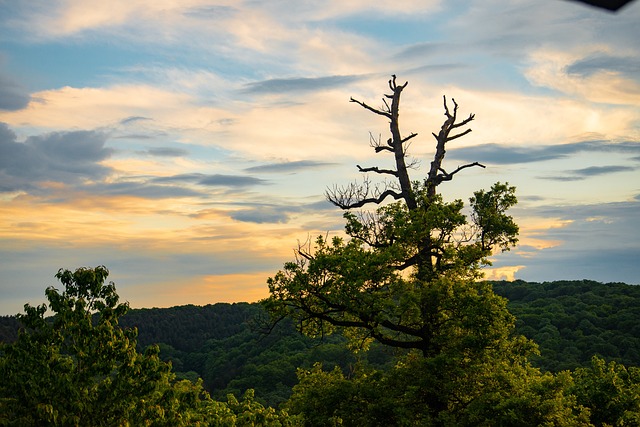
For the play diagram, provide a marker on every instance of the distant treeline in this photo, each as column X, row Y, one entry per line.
column 226, row 346
column 573, row 320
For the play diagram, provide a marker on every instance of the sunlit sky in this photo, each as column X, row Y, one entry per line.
column 187, row 144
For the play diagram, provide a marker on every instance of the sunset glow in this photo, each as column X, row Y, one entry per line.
column 187, row 145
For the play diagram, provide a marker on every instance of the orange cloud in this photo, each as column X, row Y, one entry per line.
column 502, row 273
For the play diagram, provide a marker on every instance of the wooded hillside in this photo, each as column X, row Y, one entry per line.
column 573, row 320
column 222, row 343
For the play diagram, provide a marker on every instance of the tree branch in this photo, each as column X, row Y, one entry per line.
column 360, row 203
column 413, row 135
column 377, row 144
column 374, row 110
column 450, row 138
column 464, row 122
column 366, row 322
column 383, row 148
column 434, row 178
column 377, row 170
column 444, row 176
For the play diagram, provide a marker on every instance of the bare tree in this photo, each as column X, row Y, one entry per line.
column 359, row 195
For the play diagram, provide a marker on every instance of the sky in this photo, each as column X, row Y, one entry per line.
column 187, row 144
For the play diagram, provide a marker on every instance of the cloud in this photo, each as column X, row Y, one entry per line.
column 432, row 68
column 504, row 154
column 133, row 119
column 299, row 84
column 287, row 167
column 562, row 178
column 421, row 50
column 63, row 157
column 594, row 241
column 142, row 189
column 207, row 12
column 601, row 170
column 580, row 174
column 231, row 180
column 215, row 180
column 600, row 62
column 261, row 215
column 166, row 152
column 92, row 107
column 271, row 213
column 12, row 95
column 584, row 76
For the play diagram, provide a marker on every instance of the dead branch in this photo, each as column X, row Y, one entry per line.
column 374, row 110
column 357, row 195
column 377, row 145
column 377, row 170
column 434, row 178
column 413, row 135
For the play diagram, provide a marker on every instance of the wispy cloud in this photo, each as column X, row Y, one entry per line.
column 166, row 152
column 214, row 180
column 301, row 84
column 579, row 74
column 288, row 167
column 503, row 154
column 261, row 215
column 602, row 170
column 134, row 119
column 143, row 190
column 580, row 174
column 604, row 62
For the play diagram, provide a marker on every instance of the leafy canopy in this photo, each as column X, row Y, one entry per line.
column 81, row 368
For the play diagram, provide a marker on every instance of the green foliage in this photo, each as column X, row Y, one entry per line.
column 488, row 207
column 81, row 368
column 525, row 397
column 611, row 391
column 249, row 412
column 572, row 321
column 363, row 286
column 419, row 391
column 241, row 358
column 187, row 327
column 9, row 326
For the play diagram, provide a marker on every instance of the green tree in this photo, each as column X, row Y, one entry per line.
column 80, row 368
column 407, row 268
column 611, row 391
column 407, row 276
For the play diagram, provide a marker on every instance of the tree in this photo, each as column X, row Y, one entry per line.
column 81, row 368
column 407, row 276
column 393, row 279
column 611, row 391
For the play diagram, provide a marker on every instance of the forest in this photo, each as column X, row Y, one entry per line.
column 583, row 328
column 387, row 324
column 225, row 345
